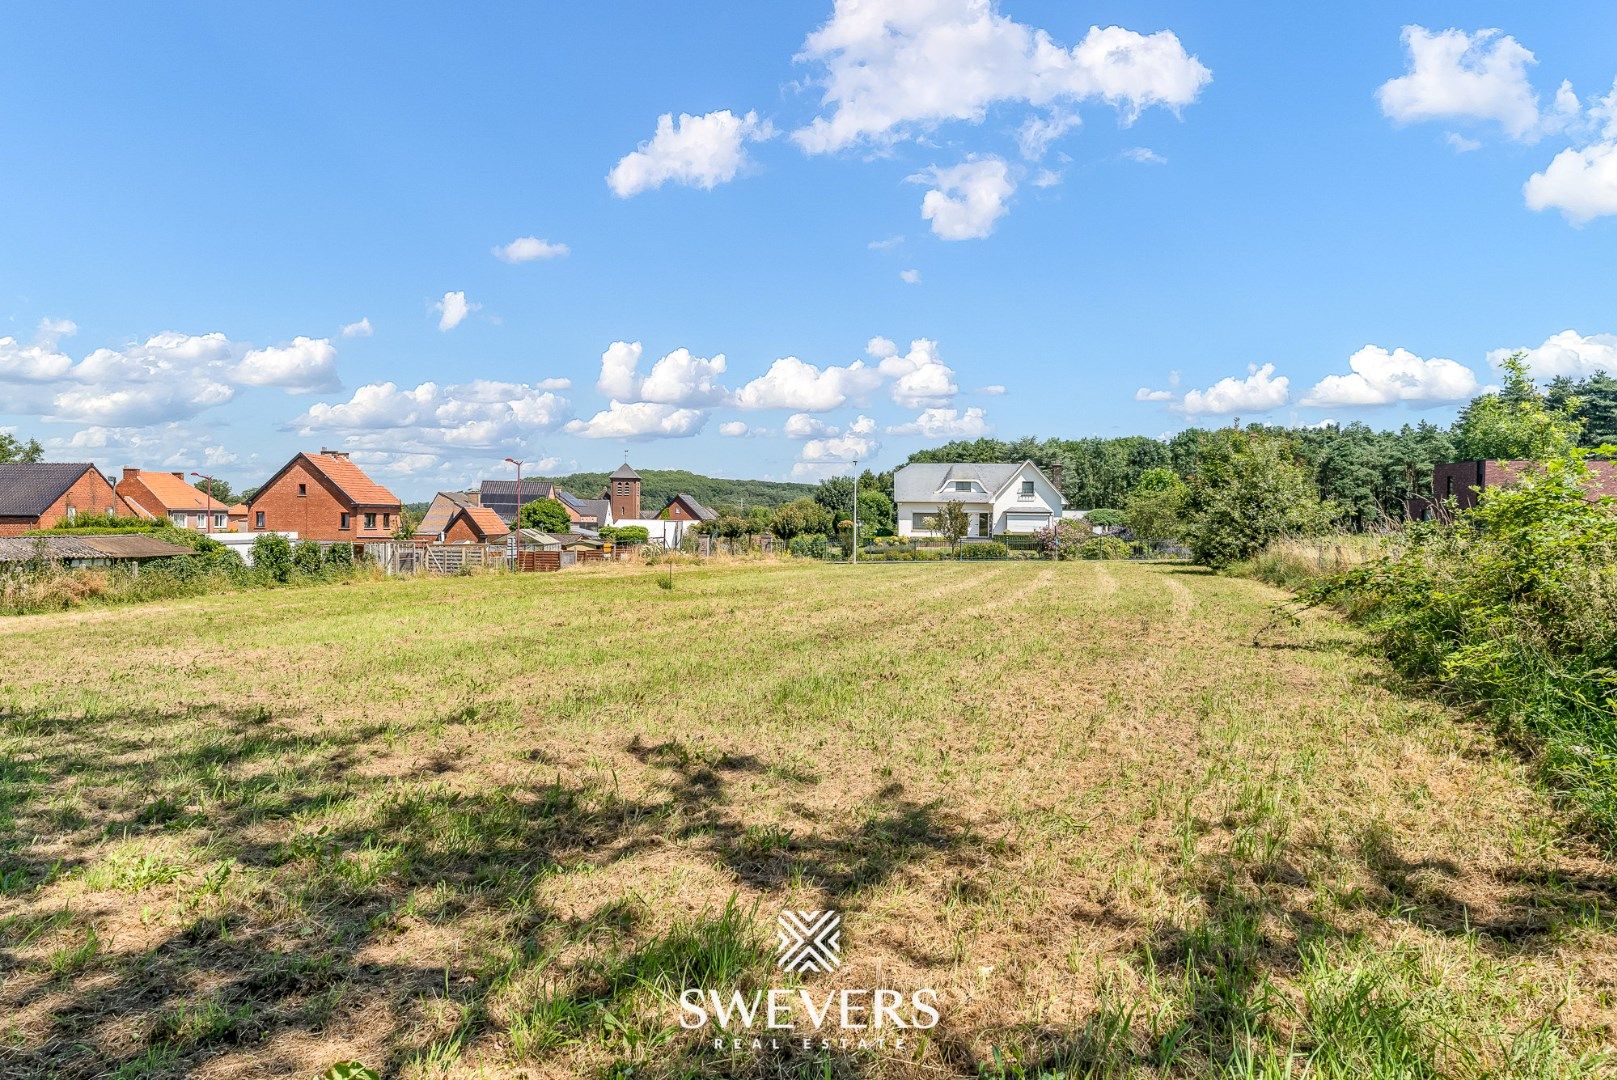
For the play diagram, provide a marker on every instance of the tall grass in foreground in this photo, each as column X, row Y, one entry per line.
column 1295, row 562
column 51, row 586
column 1511, row 606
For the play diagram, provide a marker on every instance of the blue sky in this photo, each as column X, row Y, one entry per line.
column 195, row 201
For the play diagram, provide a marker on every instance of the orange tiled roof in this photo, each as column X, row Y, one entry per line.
column 352, row 481
column 489, row 523
column 171, row 492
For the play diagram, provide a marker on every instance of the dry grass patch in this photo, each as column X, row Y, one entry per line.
column 483, row 825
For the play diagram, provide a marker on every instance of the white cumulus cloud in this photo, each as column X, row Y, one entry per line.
column 910, row 277
column 1582, row 184
column 1453, row 74
column 1567, row 353
column 966, row 199
column 528, row 248
column 306, row 366
column 794, row 384
column 1259, row 392
column 453, row 309
column 639, row 420
column 1379, row 377
column 920, row 377
column 699, row 151
column 479, row 414
column 804, row 426
column 946, row 424
column 678, row 378
column 362, row 328
column 895, row 68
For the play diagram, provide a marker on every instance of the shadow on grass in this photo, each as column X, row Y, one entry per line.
column 299, row 869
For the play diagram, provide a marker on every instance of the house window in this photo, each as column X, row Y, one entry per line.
column 258, row 520
column 387, row 521
column 1027, row 487
column 985, row 525
column 218, row 521
column 303, row 489
column 370, row 521
column 1449, row 485
column 962, row 485
column 72, row 513
column 921, row 522
column 342, row 521
column 178, row 519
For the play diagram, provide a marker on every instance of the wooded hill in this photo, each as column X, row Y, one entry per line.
column 657, row 486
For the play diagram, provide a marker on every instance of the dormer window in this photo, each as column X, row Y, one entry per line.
column 1027, row 487
column 962, row 485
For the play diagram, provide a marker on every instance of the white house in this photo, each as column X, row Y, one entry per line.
column 997, row 499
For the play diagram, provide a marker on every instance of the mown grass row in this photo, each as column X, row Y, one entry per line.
column 1509, row 608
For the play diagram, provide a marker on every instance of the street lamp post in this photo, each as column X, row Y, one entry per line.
column 856, row 511
column 516, row 519
column 207, row 521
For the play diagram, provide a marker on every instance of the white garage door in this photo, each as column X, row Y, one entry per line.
column 1025, row 523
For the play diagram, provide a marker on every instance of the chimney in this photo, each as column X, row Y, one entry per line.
column 179, row 476
column 130, row 472
column 340, row 455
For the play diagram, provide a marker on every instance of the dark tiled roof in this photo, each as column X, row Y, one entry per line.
column 623, row 472
column 27, row 489
column 531, row 489
column 702, row 513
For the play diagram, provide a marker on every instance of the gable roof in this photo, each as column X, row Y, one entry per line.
column 170, row 491
column 28, row 488
column 599, row 509
column 623, row 472
column 924, row 481
column 483, row 519
column 698, row 511
column 344, row 475
column 531, row 489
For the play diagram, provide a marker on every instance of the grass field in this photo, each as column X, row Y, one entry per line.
column 490, row 826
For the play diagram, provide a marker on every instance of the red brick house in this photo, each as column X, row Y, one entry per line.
column 475, row 525
column 167, row 495
column 684, row 508
column 1465, row 481
column 444, row 506
column 324, row 496
column 39, row 494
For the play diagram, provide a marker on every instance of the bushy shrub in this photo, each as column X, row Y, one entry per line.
column 988, row 549
column 1513, row 606
column 1062, row 538
column 1105, row 518
column 307, row 558
column 1249, row 489
column 340, row 557
column 808, row 546
column 1104, row 547
column 272, row 557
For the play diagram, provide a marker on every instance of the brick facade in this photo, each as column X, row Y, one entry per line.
column 303, row 499
column 1463, row 481
column 624, row 494
column 90, row 494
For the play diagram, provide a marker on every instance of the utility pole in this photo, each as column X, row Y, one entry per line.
column 516, row 518
column 207, row 521
column 856, row 511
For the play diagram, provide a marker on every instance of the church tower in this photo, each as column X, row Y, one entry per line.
column 623, row 489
